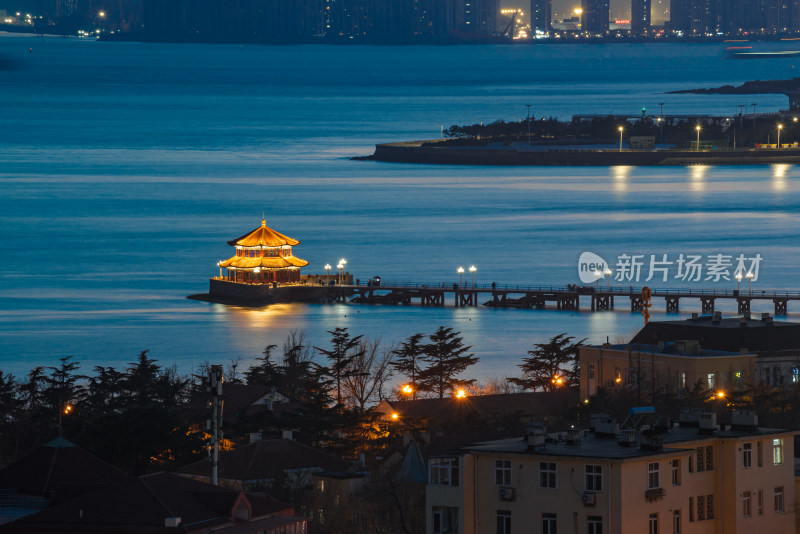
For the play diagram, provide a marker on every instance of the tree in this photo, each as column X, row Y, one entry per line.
column 343, row 351
column 407, row 360
column 265, row 373
column 369, row 371
column 447, row 358
column 552, row 365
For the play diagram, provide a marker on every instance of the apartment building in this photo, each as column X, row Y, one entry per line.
column 650, row 477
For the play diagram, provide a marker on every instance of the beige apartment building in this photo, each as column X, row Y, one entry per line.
column 689, row 479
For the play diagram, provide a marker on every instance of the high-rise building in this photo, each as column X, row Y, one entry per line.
column 640, row 16
column 480, row 16
column 594, row 18
column 680, row 15
column 541, row 16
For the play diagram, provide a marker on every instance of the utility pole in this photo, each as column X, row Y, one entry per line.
column 529, row 122
column 214, row 424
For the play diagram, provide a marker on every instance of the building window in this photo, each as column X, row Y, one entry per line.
column 779, row 499
column 590, row 371
column 767, row 375
column 676, row 522
column 747, row 455
column 701, row 508
column 711, row 380
column 676, row 472
column 594, row 478
column 547, row 475
column 795, row 374
column 681, row 380
column 594, row 524
column 549, row 525
column 709, row 457
column 652, row 476
column 443, row 471
column 777, row 451
column 737, row 379
column 709, row 507
column 691, row 509
column 503, row 522
column 653, row 524
column 777, row 377
column 760, row 502
column 502, row 472
column 701, row 459
column 445, row 520
column 746, row 504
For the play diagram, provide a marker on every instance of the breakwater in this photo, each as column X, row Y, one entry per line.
column 429, row 152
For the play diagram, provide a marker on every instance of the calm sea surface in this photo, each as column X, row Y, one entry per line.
column 125, row 167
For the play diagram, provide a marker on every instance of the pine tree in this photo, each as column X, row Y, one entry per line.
column 552, row 365
column 343, row 351
column 447, row 358
column 408, row 361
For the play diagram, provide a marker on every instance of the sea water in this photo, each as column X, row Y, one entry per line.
column 125, row 168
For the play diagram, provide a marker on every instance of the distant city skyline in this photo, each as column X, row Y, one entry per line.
column 620, row 9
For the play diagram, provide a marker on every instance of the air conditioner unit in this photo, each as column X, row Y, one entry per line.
column 507, row 494
column 589, row 498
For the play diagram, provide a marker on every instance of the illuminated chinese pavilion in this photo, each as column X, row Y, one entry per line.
column 263, row 256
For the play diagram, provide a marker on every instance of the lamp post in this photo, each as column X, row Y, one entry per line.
column 343, row 263
column 738, row 282
column 698, row 137
column 327, row 273
column 472, row 269
column 620, row 138
column 607, row 272
column 660, row 129
column 339, row 276
column 780, row 127
column 460, row 272
column 749, row 277
column 597, row 276
column 219, row 264
column 529, row 122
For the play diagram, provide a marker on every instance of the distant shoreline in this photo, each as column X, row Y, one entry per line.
column 426, row 152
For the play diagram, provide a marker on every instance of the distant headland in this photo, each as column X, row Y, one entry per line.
column 747, row 137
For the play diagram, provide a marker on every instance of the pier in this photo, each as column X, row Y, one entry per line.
column 570, row 297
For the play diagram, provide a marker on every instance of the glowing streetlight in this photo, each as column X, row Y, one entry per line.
column 461, row 394
column 720, row 394
column 472, row 269
column 343, row 263
column 328, row 273
column 597, row 276
column 620, row 137
column 339, row 278
column 557, row 380
column 219, row 264
column 780, row 127
column 102, row 14
column 749, row 277
column 578, row 11
column 698, row 137
column 407, row 389
column 607, row 272
column 67, row 409
column 460, row 272
column 738, row 281
column 394, row 416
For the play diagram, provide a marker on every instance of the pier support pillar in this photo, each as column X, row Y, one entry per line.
column 744, row 304
column 673, row 304
column 781, row 306
column 636, row 303
column 601, row 302
column 707, row 304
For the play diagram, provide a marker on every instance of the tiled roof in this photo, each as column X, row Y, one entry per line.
column 142, row 505
column 268, row 459
column 726, row 334
column 46, row 468
column 263, row 236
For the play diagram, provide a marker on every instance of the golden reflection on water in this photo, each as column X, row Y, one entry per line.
column 779, row 172
column 261, row 319
column 697, row 178
column 621, row 173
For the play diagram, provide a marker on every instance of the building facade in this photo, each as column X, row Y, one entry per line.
column 594, row 16
column 697, row 481
column 541, row 17
column 640, row 16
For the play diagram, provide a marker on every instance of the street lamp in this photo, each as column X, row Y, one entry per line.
column 607, row 272
column 780, row 127
column 660, row 129
column 738, row 282
column 749, row 277
column 472, row 269
column 339, row 278
column 698, row 137
column 343, row 263
column 620, row 138
column 597, row 276
column 328, row 273
column 460, row 272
